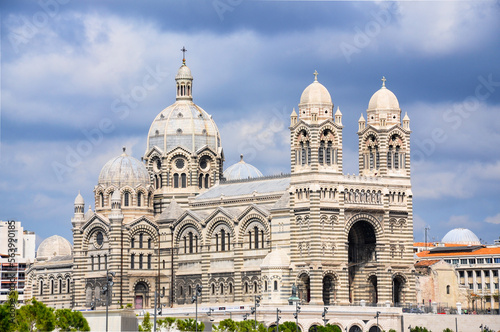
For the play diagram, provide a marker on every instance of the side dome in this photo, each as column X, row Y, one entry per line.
column 241, row 170
column 53, row 246
column 316, row 93
column 124, row 170
column 383, row 99
column 276, row 259
column 183, row 124
column 461, row 236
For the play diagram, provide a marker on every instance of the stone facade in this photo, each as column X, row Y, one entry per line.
column 172, row 222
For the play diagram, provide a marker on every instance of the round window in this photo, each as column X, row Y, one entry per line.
column 179, row 163
column 204, row 163
column 99, row 238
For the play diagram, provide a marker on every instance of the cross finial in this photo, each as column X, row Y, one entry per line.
column 183, row 49
column 315, row 76
column 383, row 81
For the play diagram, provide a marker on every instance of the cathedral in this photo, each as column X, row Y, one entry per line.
column 175, row 220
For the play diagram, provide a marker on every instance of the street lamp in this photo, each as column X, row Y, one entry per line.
column 325, row 310
column 296, row 314
column 106, row 291
column 195, row 300
column 156, row 309
column 376, row 316
column 254, row 309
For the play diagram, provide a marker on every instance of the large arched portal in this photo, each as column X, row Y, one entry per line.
column 140, row 295
column 372, row 289
column 362, row 242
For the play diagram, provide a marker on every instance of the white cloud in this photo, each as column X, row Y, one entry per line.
column 493, row 219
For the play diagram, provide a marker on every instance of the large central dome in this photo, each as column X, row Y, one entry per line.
column 183, row 124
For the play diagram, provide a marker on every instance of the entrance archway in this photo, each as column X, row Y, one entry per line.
column 329, row 290
column 304, row 284
column 374, row 329
column 362, row 242
column 355, row 328
column 398, row 283
column 140, row 295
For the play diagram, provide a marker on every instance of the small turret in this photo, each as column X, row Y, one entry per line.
column 79, row 206
column 338, row 117
column 293, row 118
column 406, row 122
column 361, row 122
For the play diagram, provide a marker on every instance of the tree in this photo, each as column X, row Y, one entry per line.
column 419, row 329
column 229, row 325
column 189, row 325
column 447, row 330
column 146, row 323
column 35, row 315
column 8, row 313
column 168, row 323
column 68, row 320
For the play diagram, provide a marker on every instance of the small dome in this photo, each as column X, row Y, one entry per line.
column 241, row 170
column 461, row 236
column 276, row 258
column 316, row 93
column 184, row 73
column 53, row 246
column 79, row 200
column 124, row 170
column 383, row 99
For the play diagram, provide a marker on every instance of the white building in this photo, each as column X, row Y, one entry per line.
column 13, row 273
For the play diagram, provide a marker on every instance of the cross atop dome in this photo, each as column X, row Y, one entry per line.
column 383, row 81
column 183, row 49
column 315, row 76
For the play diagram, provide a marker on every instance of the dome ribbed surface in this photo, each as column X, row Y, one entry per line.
column 124, row 171
column 79, row 200
column 383, row 99
column 241, row 170
column 461, row 236
column 184, row 72
column 53, row 246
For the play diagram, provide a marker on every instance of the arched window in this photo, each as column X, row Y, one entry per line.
column 256, row 235
column 190, row 290
column 149, row 261
column 176, row 180
column 60, row 286
column 321, row 152
column 246, row 287
column 448, row 289
column 275, row 285
column 139, row 199
column 149, row 243
column 132, row 261
column 101, row 199
column 184, row 180
column 185, row 245
column 141, row 240
column 163, row 264
column 228, row 241
column 255, row 287
column 126, row 199
column 190, row 242
column 92, row 263
column 250, row 240
column 196, row 242
column 223, row 240
column 216, row 242
column 105, row 262
column 262, row 238
column 230, row 288
column 141, row 256
column 389, row 158
column 213, row 289
column 181, row 290
column 41, row 287
column 265, row 285
column 68, row 284
column 221, row 288
column 132, row 242
column 51, row 286
column 207, row 181
column 396, row 158
column 200, row 181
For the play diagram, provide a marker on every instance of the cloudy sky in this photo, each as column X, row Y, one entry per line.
column 81, row 79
